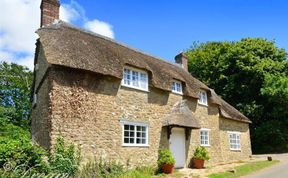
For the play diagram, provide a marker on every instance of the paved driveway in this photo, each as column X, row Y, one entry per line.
column 279, row 170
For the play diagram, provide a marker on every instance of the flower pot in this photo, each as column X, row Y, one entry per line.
column 198, row 163
column 167, row 168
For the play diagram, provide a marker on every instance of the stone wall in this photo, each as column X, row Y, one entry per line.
column 87, row 108
column 41, row 117
column 226, row 126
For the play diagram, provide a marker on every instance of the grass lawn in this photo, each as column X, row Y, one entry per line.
column 245, row 169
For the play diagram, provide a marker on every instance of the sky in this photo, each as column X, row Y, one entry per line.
column 162, row 28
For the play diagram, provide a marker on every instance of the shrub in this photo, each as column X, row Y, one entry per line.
column 140, row 172
column 201, row 153
column 18, row 152
column 100, row 168
column 165, row 157
column 64, row 159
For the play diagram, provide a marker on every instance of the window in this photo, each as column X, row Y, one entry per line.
column 135, row 79
column 234, row 140
column 203, row 98
column 177, row 87
column 204, row 137
column 135, row 134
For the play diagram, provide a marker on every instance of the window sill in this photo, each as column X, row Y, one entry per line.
column 205, row 145
column 202, row 104
column 177, row 93
column 128, row 86
column 144, row 146
column 236, row 150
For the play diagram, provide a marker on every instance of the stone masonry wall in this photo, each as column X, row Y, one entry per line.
column 86, row 109
column 226, row 126
column 41, row 114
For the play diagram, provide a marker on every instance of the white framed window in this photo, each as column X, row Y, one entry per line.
column 177, row 87
column 205, row 137
column 135, row 78
column 234, row 140
column 134, row 134
column 203, row 98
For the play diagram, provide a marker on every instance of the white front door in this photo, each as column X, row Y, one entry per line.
column 177, row 146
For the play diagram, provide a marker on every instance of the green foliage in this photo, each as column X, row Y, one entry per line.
column 17, row 150
column 165, row 157
column 101, row 169
column 251, row 74
column 201, row 153
column 15, row 85
column 274, row 132
column 64, row 159
column 140, row 172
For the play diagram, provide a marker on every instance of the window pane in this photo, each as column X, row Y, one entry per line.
column 138, row 140
column 132, row 127
column 143, row 81
column 135, row 79
column 126, row 140
column 131, row 140
column 138, row 134
column 127, row 76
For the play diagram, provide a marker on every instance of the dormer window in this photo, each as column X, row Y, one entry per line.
column 135, row 78
column 203, row 98
column 177, row 87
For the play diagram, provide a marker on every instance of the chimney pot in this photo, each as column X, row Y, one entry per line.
column 182, row 60
column 49, row 11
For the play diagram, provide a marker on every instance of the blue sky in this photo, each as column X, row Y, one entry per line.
column 165, row 27
column 162, row 28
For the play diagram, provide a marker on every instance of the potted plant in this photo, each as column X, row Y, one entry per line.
column 166, row 161
column 200, row 155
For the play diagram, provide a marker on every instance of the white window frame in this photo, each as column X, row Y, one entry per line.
column 237, row 145
column 138, row 81
column 174, row 87
column 135, row 124
column 203, row 99
column 208, row 137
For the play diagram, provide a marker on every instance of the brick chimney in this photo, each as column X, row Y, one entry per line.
column 182, row 60
column 49, row 11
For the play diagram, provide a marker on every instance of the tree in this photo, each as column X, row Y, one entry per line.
column 15, row 86
column 251, row 74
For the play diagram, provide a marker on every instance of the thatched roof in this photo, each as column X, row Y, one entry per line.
column 69, row 46
column 182, row 116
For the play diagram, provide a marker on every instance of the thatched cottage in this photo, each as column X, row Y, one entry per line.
column 122, row 104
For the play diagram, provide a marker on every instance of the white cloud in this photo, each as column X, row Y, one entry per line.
column 20, row 19
column 72, row 12
column 100, row 27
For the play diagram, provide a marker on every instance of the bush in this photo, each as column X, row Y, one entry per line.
column 201, row 153
column 165, row 157
column 140, row 172
column 18, row 152
column 64, row 159
column 100, row 168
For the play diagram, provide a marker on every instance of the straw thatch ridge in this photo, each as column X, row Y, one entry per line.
column 69, row 46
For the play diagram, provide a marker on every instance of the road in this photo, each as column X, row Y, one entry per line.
column 279, row 170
